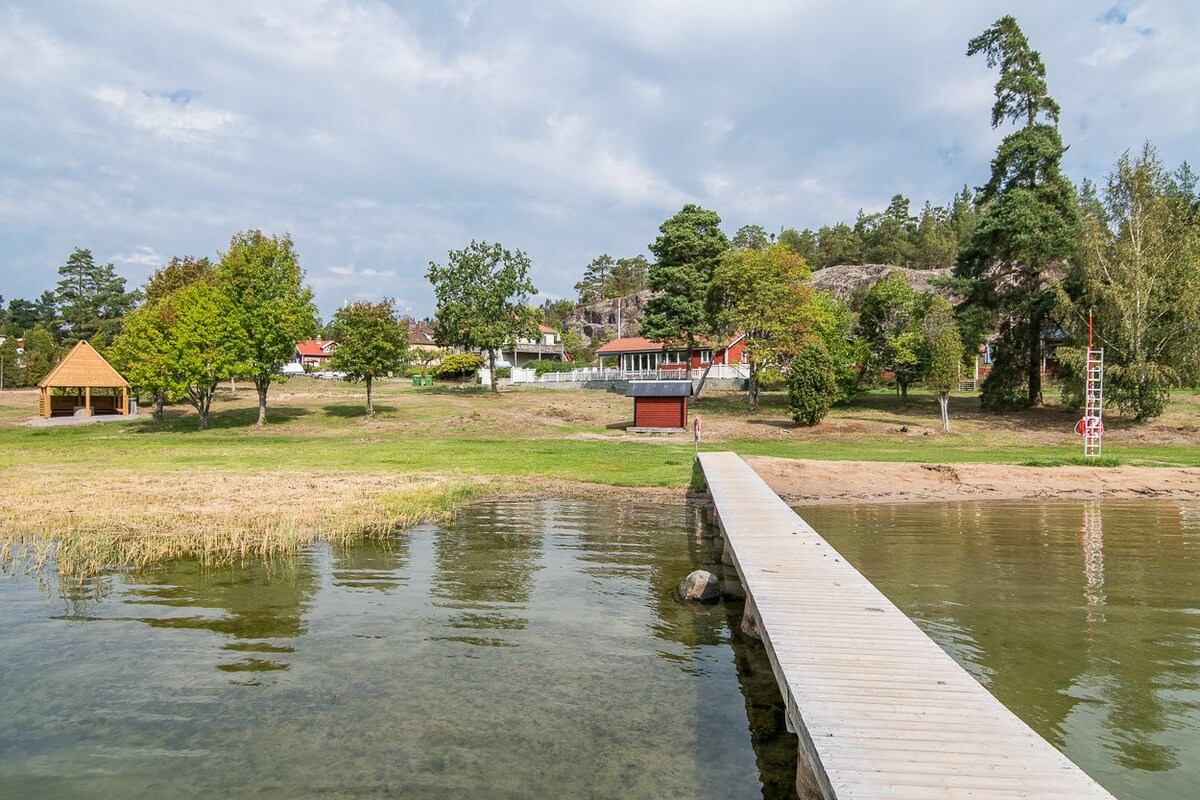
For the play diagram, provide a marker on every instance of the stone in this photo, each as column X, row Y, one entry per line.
column 750, row 620
column 700, row 585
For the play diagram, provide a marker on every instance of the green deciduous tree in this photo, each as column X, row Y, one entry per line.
column 945, row 353
column 686, row 252
column 888, row 326
column 1140, row 271
column 1029, row 228
column 92, row 299
column 802, row 243
column 482, row 296
column 10, row 364
column 812, row 383
column 205, row 343
column 40, row 356
column 372, row 342
column 176, row 274
column 262, row 277
column 144, row 355
column 761, row 294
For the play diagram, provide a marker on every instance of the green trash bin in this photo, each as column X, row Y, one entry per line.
column 416, row 380
column 427, row 380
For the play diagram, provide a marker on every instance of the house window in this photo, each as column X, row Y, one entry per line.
column 706, row 356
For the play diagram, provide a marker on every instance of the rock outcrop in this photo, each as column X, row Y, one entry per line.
column 845, row 279
column 609, row 319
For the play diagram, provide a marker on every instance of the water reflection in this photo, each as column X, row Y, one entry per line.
column 254, row 605
column 1084, row 618
column 485, row 575
column 1091, row 538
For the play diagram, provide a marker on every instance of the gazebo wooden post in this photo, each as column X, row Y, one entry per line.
column 124, row 400
column 87, row 401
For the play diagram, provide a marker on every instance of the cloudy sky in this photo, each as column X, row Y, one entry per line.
column 382, row 134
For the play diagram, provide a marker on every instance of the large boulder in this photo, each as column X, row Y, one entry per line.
column 700, row 585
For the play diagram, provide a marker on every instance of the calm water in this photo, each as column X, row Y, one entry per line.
column 1083, row 618
column 528, row 649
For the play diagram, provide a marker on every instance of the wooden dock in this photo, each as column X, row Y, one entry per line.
column 880, row 710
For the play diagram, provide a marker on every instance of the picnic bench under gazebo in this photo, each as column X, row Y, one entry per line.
column 83, row 369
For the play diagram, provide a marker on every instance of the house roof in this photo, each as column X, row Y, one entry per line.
column 546, row 329
column 83, row 367
column 420, row 334
column 659, row 389
column 636, row 344
column 315, row 347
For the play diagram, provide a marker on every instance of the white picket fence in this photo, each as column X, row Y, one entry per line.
column 587, row 374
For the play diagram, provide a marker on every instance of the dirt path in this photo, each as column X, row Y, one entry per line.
column 819, row 482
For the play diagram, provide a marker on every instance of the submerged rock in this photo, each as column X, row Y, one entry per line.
column 700, row 585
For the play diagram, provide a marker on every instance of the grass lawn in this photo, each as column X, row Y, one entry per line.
column 523, row 439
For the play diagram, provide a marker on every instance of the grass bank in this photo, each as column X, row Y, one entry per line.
column 131, row 493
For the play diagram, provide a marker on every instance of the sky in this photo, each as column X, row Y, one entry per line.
column 381, row 135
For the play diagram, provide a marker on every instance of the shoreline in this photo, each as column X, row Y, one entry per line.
column 808, row 482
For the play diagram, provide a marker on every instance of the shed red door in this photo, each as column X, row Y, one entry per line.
column 660, row 412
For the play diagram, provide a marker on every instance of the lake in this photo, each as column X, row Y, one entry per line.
column 526, row 649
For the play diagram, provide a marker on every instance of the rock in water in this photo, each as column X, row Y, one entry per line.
column 700, row 585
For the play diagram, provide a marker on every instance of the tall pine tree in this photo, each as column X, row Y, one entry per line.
column 1030, row 224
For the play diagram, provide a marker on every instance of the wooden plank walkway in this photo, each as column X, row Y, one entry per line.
column 880, row 709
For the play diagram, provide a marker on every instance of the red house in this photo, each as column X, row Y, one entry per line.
column 315, row 352
column 659, row 406
column 635, row 354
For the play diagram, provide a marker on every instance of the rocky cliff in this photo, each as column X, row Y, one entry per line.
column 609, row 319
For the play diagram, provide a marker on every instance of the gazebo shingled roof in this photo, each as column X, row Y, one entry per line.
column 83, row 367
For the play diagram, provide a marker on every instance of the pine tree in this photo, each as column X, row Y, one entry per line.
column 1030, row 226
column 91, row 297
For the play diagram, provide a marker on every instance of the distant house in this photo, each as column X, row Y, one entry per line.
column 635, row 354
column 547, row 345
column 314, row 352
column 420, row 337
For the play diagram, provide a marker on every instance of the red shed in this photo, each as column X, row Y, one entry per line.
column 659, row 405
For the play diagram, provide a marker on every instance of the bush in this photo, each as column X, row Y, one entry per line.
column 543, row 365
column 812, row 384
column 415, row 372
column 458, row 366
column 503, row 372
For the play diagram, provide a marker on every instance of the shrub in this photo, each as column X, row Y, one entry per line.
column 543, row 365
column 414, row 372
column 812, row 384
column 503, row 372
column 459, row 365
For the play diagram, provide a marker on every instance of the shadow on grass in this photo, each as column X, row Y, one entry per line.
column 355, row 410
column 619, row 426
column 183, row 419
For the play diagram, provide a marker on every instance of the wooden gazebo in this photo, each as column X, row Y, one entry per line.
column 83, row 369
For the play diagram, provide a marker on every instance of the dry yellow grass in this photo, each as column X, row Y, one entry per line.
column 130, row 519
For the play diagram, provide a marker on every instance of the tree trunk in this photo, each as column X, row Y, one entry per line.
column 370, row 408
column 492, row 362
column 687, row 359
column 160, row 400
column 1035, row 362
column 262, row 384
column 944, row 403
column 752, row 386
column 903, row 386
column 703, row 378
column 202, row 406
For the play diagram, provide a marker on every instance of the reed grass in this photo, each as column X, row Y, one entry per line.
column 131, row 520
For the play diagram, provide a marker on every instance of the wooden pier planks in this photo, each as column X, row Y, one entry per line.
column 881, row 711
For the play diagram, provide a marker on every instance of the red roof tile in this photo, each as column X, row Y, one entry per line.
column 315, row 347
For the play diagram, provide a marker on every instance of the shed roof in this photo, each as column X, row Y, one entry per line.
column 659, row 389
column 82, row 367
